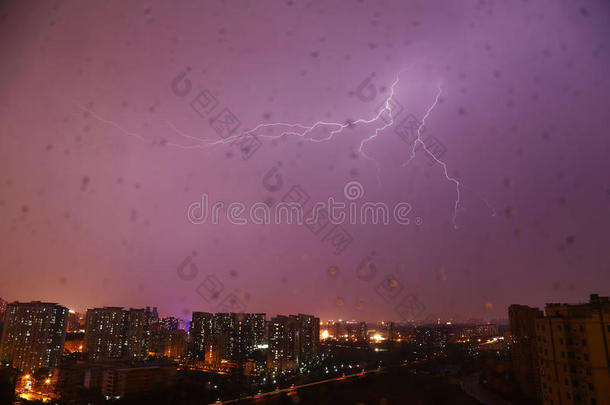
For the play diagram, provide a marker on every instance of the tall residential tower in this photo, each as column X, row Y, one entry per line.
column 34, row 334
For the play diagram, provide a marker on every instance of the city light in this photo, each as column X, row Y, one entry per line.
column 284, row 356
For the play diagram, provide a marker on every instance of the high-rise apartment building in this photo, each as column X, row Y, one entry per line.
column 284, row 344
column 175, row 344
column 106, row 333
column 34, row 334
column 294, row 342
column 259, row 323
column 201, row 331
column 116, row 333
column 228, row 333
column 246, row 332
column 524, row 351
column 138, row 332
column 573, row 343
column 232, row 336
column 161, row 332
column 169, row 323
column 309, row 338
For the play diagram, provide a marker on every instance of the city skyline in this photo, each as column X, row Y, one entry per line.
column 123, row 354
column 445, row 118
column 182, row 317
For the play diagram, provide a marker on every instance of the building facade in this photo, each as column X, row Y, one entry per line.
column 200, row 333
column 284, row 344
column 573, row 343
column 231, row 336
column 133, row 381
column 309, row 339
column 34, row 335
column 294, row 342
column 524, row 351
column 116, row 333
column 106, row 333
column 176, row 344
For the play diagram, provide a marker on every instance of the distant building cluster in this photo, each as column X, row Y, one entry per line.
column 435, row 335
column 113, row 342
column 346, row 331
column 291, row 342
column 557, row 356
column 562, row 356
column 229, row 336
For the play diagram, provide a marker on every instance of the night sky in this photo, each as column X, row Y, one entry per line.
column 103, row 149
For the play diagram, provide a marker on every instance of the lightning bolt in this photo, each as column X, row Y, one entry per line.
column 303, row 131
column 308, row 129
column 419, row 141
column 126, row 131
column 387, row 107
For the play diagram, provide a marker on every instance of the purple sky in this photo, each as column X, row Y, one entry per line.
column 100, row 158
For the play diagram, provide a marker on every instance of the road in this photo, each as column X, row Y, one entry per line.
column 296, row 387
